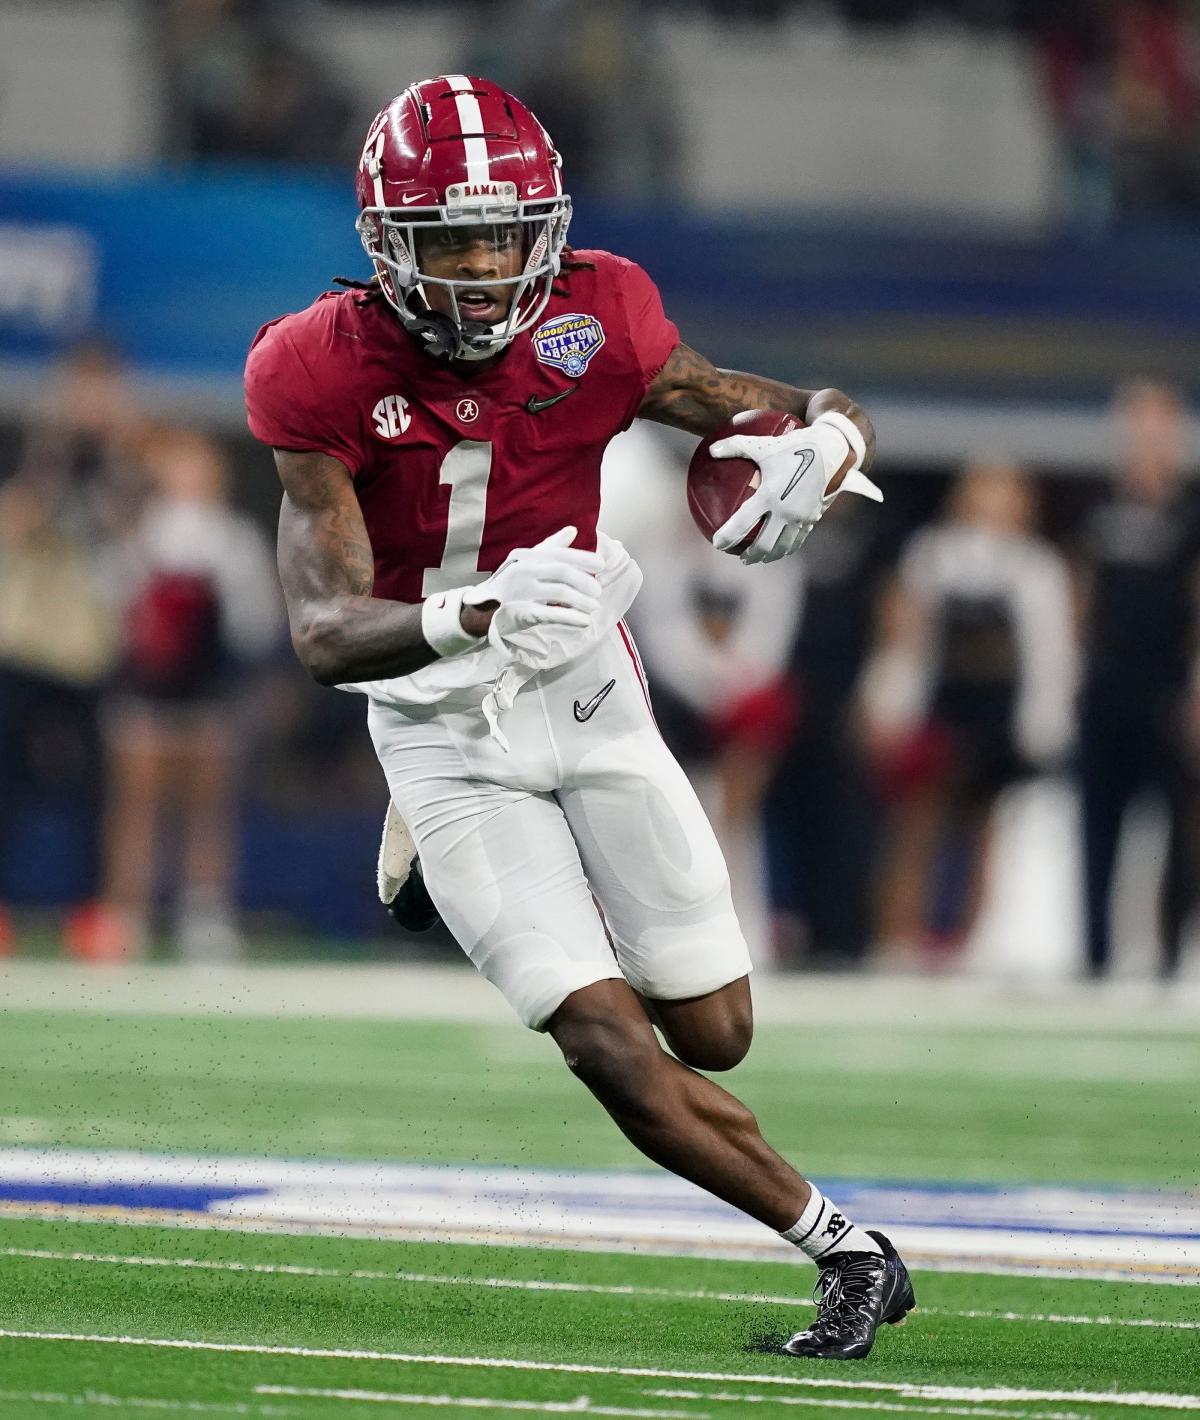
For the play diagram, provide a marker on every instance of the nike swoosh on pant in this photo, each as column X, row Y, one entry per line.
column 585, row 712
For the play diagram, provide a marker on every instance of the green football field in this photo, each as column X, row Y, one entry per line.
column 103, row 1311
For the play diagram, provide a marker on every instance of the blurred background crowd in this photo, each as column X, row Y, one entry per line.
column 961, row 732
column 1117, row 80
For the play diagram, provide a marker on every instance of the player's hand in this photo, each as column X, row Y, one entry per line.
column 797, row 470
column 551, row 583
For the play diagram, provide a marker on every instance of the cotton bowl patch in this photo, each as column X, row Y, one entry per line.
column 568, row 342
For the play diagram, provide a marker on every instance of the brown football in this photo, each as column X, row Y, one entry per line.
column 716, row 488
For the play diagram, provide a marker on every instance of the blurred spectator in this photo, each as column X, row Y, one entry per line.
column 822, row 813
column 200, row 606
column 1073, row 43
column 1140, row 707
column 1156, row 103
column 970, row 689
column 596, row 77
column 74, row 484
column 1124, row 84
column 715, row 636
column 242, row 87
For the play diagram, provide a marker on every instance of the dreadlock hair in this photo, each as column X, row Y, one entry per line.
column 567, row 264
column 372, row 291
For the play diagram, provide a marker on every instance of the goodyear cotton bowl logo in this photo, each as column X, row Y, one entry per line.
column 568, row 342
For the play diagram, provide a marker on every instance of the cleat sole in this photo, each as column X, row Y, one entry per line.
column 898, row 1318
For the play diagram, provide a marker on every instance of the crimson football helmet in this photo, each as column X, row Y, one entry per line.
column 451, row 153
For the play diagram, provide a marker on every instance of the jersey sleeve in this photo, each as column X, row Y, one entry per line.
column 287, row 408
column 651, row 335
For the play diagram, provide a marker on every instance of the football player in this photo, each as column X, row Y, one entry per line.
column 438, row 432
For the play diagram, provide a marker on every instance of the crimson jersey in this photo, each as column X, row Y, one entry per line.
column 452, row 471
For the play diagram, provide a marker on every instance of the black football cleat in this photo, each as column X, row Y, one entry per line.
column 412, row 908
column 860, row 1292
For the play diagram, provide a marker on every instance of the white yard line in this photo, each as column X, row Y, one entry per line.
column 825, row 1402
column 536, row 1285
column 580, row 1406
column 101, row 1400
column 768, row 1251
column 1066, row 1319
column 1149, row 1400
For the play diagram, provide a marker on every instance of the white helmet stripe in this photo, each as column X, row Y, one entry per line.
column 470, row 120
column 377, row 171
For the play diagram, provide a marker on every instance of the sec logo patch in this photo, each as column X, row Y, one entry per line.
column 391, row 416
column 568, row 342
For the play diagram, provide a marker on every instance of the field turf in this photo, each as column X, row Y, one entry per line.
column 293, row 1324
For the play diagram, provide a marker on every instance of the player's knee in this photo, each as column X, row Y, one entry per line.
column 717, row 1041
column 617, row 1061
column 715, row 1055
column 720, row 1049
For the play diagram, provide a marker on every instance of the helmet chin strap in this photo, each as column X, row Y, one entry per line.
column 446, row 339
column 443, row 339
column 472, row 328
column 437, row 331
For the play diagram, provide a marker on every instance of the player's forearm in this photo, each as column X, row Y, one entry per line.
column 691, row 393
column 350, row 638
column 340, row 632
column 344, row 639
column 734, row 391
column 706, row 406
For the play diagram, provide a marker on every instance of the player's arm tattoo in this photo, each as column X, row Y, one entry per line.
column 340, row 631
column 690, row 393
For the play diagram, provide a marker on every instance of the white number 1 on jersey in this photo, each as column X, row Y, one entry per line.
column 466, row 469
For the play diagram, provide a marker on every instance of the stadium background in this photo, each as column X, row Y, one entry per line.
column 982, row 253
column 258, row 1149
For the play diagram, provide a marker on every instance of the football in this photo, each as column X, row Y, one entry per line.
column 716, row 488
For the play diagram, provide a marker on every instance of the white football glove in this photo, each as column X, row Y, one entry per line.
column 551, row 584
column 796, row 470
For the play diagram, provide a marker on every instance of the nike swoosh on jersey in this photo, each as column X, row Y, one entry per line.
column 535, row 405
column 806, row 458
column 585, row 712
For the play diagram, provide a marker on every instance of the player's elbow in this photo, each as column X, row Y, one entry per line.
column 316, row 644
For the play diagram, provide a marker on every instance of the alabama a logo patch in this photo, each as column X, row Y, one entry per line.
column 568, row 342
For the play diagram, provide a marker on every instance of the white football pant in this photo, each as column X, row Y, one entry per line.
column 587, row 799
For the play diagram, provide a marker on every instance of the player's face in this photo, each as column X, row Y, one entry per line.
column 472, row 254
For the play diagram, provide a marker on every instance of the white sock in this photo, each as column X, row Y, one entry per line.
column 822, row 1229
